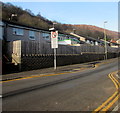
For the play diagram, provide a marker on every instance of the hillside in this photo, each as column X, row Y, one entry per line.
column 97, row 30
column 26, row 17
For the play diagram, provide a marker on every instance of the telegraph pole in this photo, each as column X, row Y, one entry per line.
column 105, row 40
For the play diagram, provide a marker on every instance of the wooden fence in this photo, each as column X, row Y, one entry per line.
column 45, row 48
column 34, row 55
column 30, row 47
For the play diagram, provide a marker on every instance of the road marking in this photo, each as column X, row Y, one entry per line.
column 111, row 104
column 111, row 100
column 35, row 76
column 116, row 98
column 114, row 81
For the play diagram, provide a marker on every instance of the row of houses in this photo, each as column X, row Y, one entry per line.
column 27, row 55
column 101, row 42
column 13, row 31
column 89, row 40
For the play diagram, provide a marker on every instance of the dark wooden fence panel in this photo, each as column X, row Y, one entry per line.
column 31, row 47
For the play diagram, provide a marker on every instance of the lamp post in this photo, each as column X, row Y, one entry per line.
column 105, row 41
column 74, row 31
column 12, row 15
column 54, row 25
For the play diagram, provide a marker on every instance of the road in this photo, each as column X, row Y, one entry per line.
column 71, row 91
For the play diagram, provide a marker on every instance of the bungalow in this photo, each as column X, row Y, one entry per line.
column 14, row 31
column 118, row 41
column 88, row 40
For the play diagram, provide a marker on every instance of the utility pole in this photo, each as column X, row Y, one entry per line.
column 105, row 40
column 73, row 45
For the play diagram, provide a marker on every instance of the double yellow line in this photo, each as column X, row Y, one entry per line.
column 36, row 76
column 112, row 99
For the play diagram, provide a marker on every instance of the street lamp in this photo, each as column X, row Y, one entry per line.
column 105, row 40
column 12, row 15
column 74, row 31
column 54, row 24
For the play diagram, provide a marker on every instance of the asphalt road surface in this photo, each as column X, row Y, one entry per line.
column 72, row 91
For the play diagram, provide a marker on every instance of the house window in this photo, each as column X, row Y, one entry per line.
column 60, row 38
column 17, row 31
column 87, row 41
column 91, row 42
column 96, row 43
column 32, row 35
column 46, row 36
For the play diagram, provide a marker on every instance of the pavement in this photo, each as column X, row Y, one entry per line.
column 67, row 68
